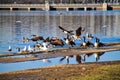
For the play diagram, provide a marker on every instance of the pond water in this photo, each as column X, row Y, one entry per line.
column 14, row 25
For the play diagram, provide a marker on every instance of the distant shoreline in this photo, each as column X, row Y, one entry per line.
column 55, row 7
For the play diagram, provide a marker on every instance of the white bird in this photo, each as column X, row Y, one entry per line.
column 30, row 49
column 24, row 49
column 10, row 49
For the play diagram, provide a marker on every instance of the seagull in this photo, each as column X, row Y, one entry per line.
column 10, row 49
column 30, row 49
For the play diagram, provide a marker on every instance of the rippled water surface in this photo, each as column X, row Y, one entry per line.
column 18, row 24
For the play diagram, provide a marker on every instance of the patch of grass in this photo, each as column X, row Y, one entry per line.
column 107, row 72
column 87, row 71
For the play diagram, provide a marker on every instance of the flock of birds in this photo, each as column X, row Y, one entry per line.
column 69, row 40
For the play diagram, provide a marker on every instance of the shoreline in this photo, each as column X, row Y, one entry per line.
column 66, row 71
column 8, row 58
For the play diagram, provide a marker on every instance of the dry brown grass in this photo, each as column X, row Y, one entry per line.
column 86, row 71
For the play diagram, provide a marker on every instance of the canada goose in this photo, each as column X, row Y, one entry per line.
column 56, row 42
column 35, row 38
column 89, row 36
column 69, row 42
column 86, row 44
column 78, row 33
column 10, row 49
column 98, row 43
column 97, row 55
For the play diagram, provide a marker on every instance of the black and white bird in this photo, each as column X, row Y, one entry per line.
column 10, row 49
column 69, row 42
column 86, row 44
column 74, row 36
column 97, row 43
column 78, row 33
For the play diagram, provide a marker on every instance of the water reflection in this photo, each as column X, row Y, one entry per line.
column 18, row 24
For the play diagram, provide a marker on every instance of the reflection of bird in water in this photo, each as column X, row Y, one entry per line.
column 97, row 55
column 67, row 58
column 78, row 58
column 10, row 49
column 88, row 55
column 46, row 60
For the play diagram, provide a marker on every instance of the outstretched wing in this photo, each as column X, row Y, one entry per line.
column 70, row 32
column 62, row 28
column 79, row 31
